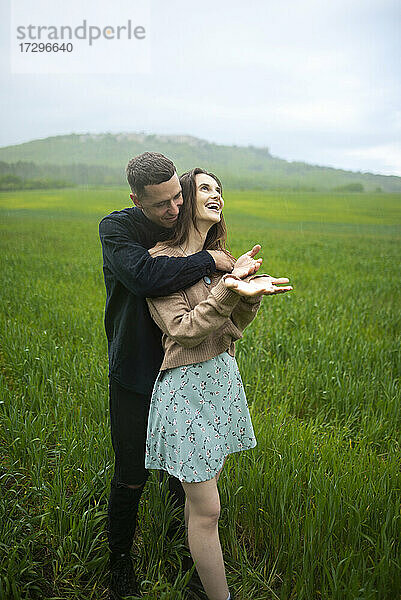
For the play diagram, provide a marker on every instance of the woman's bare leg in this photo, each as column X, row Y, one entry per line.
column 203, row 536
column 186, row 509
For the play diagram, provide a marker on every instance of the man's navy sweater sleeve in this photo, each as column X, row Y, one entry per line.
column 143, row 275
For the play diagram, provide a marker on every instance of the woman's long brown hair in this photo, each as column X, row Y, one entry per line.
column 217, row 235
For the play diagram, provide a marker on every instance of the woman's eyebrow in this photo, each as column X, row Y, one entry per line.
column 209, row 186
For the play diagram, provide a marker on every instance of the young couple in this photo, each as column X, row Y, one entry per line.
column 176, row 302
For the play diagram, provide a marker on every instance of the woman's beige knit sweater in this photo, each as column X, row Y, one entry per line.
column 201, row 321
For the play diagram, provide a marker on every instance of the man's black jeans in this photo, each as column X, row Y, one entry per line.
column 129, row 418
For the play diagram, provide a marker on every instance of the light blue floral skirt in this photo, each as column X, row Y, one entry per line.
column 198, row 414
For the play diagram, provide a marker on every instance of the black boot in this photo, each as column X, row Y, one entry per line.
column 123, row 582
column 122, row 513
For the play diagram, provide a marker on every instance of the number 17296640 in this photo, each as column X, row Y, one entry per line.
column 42, row 47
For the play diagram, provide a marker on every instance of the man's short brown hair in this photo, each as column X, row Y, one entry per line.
column 149, row 168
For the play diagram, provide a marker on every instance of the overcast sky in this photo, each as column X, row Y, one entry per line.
column 312, row 80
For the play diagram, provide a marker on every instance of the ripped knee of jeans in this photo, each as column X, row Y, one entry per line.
column 120, row 484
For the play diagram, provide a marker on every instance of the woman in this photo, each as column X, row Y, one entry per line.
column 198, row 413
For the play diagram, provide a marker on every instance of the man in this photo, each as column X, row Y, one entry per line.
column 134, row 341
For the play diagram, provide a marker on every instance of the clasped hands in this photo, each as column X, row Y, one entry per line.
column 244, row 282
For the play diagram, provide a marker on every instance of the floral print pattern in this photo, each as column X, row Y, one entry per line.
column 198, row 414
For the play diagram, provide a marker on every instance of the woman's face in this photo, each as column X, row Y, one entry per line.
column 209, row 202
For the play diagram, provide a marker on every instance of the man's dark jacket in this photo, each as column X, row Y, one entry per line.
column 131, row 275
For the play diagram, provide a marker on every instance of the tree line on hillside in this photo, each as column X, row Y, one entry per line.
column 29, row 175
column 24, row 174
column 100, row 159
column 11, row 182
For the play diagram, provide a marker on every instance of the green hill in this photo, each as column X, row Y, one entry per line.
column 101, row 159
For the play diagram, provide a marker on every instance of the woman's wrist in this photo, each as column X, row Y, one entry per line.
column 237, row 274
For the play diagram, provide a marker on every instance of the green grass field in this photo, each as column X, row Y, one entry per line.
column 313, row 512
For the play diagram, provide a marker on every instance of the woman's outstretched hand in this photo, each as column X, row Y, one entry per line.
column 257, row 286
column 246, row 265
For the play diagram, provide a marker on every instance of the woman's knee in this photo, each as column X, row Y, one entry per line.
column 207, row 518
column 204, row 508
column 211, row 518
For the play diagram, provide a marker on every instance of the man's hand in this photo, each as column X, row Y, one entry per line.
column 258, row 286
column 246, row 265
column 223, row 262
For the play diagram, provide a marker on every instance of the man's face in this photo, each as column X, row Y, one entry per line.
column 161, row 203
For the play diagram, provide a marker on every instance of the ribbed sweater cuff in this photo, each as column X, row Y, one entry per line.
column 225, row 296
